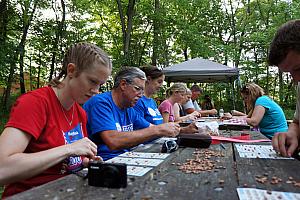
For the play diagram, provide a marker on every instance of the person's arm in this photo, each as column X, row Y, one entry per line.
column 119, row 140
column 190, row 110
column 189, row 107
column 16, row 165
column 165, row 110
column 208, row 112
column 165, row 116
column 179, row 118
column 257, row 115
column 176, row 113
column 237, row 113
column 287, row 142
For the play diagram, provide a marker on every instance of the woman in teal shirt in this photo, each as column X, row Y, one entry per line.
column 263, row 111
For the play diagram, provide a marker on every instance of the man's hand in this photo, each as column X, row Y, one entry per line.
column 191, row 128
column 170, row 129
column 285, row 143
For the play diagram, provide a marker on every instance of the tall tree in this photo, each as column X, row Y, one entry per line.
column 58, row 35
column 3, row 20
column 28, row 13
column 28, row 10
column 126, row 23
column 155, row 32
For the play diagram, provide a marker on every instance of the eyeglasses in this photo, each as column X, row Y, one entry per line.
column 138, row 89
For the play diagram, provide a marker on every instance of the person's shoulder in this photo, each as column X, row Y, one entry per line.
column 98, row 100
column 188, row 104
column 142, row 100
column 165, row 102
column 44, row 93
column 176, row 106
column 264, row 98
column 102, row 97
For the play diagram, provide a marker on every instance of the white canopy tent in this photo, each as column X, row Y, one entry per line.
column 200, row 70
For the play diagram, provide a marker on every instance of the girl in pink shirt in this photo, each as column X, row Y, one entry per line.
column 175, row 94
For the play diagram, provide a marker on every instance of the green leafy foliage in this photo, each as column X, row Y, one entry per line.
column 236, row 33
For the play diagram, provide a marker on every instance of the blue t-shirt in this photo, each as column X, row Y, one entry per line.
column 147, row 108
column 273, row 120
column 103, row 114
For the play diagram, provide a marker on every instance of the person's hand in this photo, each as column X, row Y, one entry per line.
column 213, row 112
column 83, row 147
column 85, row 161
column 194, row 115
column 191, row 128
column 285, row 143
column 170, row 129
column 227, row 116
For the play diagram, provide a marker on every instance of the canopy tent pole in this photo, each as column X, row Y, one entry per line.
column 233, row 95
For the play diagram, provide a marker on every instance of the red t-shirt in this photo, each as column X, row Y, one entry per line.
column 40, row 114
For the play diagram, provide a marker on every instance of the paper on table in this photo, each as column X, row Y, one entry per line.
column 257, row 194
column 137, row 171
column 144, row 155
column 258, row 151
column 235, row 122
column 136, row 161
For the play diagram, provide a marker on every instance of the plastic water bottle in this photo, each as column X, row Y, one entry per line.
column 221, row 112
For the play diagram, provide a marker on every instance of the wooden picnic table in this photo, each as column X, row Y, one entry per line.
column 166, row 181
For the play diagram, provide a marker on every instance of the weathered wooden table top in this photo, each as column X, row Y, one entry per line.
column 166, row 181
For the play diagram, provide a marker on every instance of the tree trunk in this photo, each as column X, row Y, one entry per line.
column 3, row 20
column 126, row 30
column 155, row 33
column 19, row 50
column 280, row 87
column 39, row 70
column 26, row 24
column 58, row 36
column 185, row 54
column 30, row 74
column 286, row 98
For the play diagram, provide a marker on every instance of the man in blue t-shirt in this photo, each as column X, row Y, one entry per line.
column 111, row 118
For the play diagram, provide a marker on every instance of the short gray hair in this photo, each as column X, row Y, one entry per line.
column 128, row 74
column 188, row 91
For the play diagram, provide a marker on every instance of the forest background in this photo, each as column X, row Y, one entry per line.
column 35, row 33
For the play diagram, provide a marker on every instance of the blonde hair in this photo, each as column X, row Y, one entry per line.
column 83, row 55
column 253, row 91
column 176, row 87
